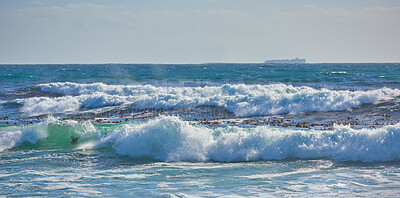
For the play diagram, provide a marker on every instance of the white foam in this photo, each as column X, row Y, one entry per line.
column 170, row 139
column 45, row 105
column 53, row 132
column 243, row 100
column 2, row 102
column 166, row 139
column 338, row 72
column 14, row 136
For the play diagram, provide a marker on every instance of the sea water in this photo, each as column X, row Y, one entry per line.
column 206, row 130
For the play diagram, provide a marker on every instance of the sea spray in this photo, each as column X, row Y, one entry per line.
column 165, row 139
column 171, row 139
column 45, row 105
column 50, row 134
column 241, row 99
column 305, row 163
column 13, row 136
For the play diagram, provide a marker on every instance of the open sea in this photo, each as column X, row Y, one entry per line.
column 204, row 130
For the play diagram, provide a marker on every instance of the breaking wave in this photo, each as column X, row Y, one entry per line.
column 49, row 134
column 171, row 139
column 241, row 99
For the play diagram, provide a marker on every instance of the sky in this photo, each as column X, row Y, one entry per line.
column 198, row 31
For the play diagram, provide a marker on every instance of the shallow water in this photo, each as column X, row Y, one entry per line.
column 76, row 173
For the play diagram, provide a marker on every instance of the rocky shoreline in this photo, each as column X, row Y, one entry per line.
column 318, row 120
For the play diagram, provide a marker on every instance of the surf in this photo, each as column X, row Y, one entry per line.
column 171, row 139
column 240, row 99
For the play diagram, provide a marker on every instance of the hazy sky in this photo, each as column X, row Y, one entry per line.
column 198, row 31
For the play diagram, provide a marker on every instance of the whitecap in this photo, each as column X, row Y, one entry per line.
column 241, row 99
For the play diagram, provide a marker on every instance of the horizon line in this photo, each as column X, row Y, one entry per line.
column 217, row 62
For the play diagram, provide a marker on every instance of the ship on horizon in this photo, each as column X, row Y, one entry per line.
column 286, row 61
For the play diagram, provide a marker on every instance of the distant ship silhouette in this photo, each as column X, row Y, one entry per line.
column 286, row 61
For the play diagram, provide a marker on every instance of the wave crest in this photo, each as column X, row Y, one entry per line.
column 242, row 100
column 49, row 134
column 170, row 139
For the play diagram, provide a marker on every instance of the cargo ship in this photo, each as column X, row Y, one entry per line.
column 286, row 61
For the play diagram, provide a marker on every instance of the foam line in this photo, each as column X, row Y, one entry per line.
column 242, row 100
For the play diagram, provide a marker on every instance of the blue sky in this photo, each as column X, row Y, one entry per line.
column 198, row 31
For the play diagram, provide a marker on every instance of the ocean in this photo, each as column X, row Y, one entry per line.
column 200, row 130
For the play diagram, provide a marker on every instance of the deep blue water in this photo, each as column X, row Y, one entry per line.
column 351, row 75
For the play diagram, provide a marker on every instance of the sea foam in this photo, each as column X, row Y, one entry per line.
column 241, row 99
column 16, row 135
column 50, row 134
column 171, row 139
